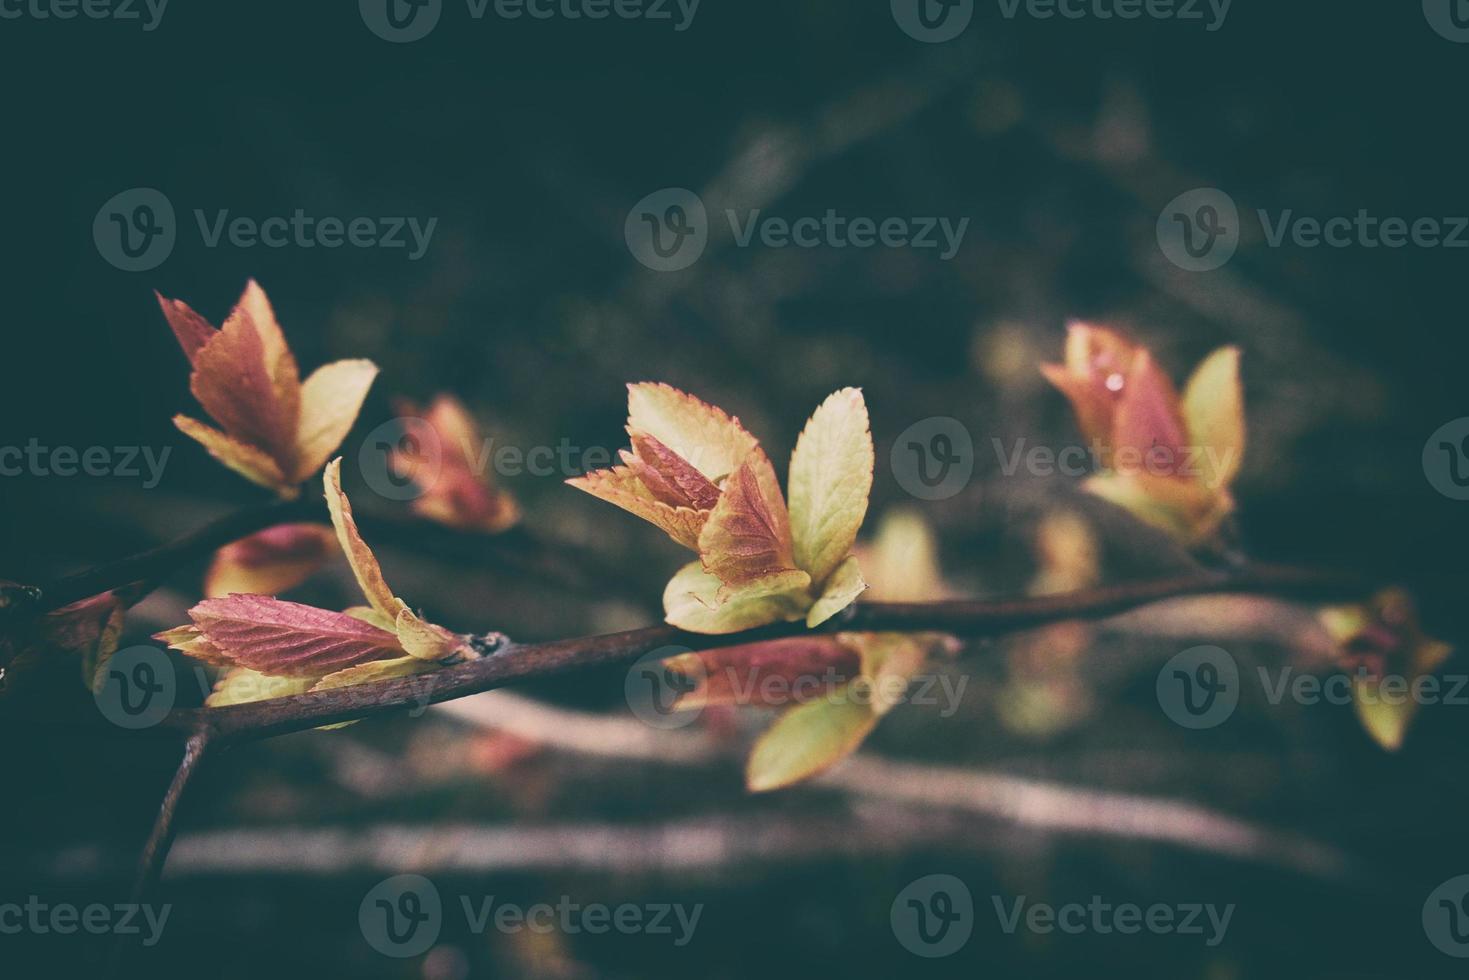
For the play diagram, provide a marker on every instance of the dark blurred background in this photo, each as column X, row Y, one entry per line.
column 1060, row 140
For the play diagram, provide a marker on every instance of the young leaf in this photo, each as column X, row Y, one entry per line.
column 365, row 568
column 330, row 401
column 748, row 535
column 246, row 380
column 275, row 431
column 698, row 602
column 287, row 639
column 842, row 588
column 808, row 739
column 621, row 486
column 830, row 480
column 713, row 442
column 455, row 486
column 1214, row 409
column 378, row 670
column 269, row 562
column 253, row 464
column 240, row 685
column 772, row 674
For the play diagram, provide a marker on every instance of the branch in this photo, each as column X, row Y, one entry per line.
column 1022, row 800
column 158, row 563
column 163, row 827
column 522, row 662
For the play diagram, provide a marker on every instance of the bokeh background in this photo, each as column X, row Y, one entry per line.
column 529, row 141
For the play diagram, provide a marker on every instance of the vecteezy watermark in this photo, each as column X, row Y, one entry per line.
column 137, row 230
column 138, row 689
column 936, row 21
column 40, row 918
column 1201, row 687
column 1446, row 917
column 1450, row 18
column 1211, row 13
column 1200, row 230
column 1202, row 463
column 147, row 13
column 933, row 916
column 1446, row 459
column 933, row 21
column 669, row 229
column 34, row 459
column 1123, row 918
column 402, row 21
column 403, row 915
column 933, row 459
column 656, row 688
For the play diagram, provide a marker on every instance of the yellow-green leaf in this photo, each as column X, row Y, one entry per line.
column 697, row 601
column 830, row 480
column 808, row 739
column 1386, row 722
column 240, row 685
column 1214, row 413
column 330, row 400
column 364, row 564
column 844, row 585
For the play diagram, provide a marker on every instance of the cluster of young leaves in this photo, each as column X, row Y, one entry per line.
column 1169, row 460
column 1185, row 453
column 696, row 473
column 272, row 647
column 274, row 430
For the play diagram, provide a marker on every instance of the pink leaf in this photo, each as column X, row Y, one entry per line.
column 287, row 639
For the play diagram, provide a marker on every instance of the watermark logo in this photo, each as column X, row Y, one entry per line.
column 1200, row 687
column 34, row 459
column 1124, row 918
column 148, row 13
column 933, row 916
column 1212, row 12
column 401, row 458
column 668, row 230
column 138, row 688
column 654, row 688
column 1203, row 464
column 933, row 21
column 1446, row 459
column 1199, row 229
column 401, row 21
column 401, row 916
column 1450, row 18
column 42, row 918
column 933, row 459
column 1446, row 917
column 136, row 229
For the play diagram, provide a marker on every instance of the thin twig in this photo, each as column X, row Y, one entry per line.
column 154, row 852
